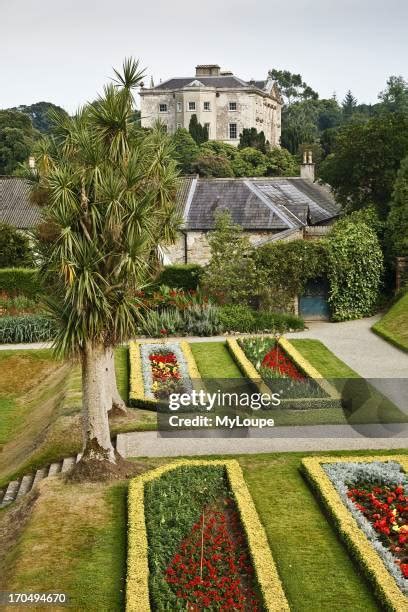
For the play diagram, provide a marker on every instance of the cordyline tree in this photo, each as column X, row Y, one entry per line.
column 109, row 192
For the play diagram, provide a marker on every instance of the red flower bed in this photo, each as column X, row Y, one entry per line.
column 164, row 365
column 212, row 569
column 165, row 372
column 386, row 507
column 276, row 359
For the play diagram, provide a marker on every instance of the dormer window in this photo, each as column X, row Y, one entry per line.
column 191, row 106
column 232, row 106
column 163, row 108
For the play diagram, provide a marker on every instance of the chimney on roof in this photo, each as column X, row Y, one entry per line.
column 307, row 168
column 207, row 70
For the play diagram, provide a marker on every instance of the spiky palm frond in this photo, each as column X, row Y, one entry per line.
column 110, row 198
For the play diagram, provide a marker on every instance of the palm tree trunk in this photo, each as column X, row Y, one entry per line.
column 96, row 399
column 115, row 403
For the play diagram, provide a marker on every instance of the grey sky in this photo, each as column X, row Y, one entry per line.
column 62, row 51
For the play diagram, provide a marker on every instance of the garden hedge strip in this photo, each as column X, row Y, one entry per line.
column 20, row 281
column 137, row 581
column 384, row 584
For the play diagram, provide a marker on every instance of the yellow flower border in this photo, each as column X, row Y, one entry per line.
column 137, row 395
column 249, row 370
column 137, row 582
column 385, row 585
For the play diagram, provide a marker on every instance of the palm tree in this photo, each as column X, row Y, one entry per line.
column 109, row 189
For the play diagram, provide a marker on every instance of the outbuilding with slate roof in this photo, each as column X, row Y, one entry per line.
column 267, row 208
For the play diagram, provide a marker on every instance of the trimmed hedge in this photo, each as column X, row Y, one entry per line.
column 180, row 276
column 20, row 281
column 237, row 318
column 28, row 328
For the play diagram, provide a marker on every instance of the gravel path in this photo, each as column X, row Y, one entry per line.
column 285, row 439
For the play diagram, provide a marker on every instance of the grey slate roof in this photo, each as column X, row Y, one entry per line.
column 15, row 206
column 230, row 82
column 259, row 204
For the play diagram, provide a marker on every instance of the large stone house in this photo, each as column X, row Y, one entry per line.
column 222, row 102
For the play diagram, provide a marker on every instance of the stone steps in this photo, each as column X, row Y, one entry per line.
column 17, row 488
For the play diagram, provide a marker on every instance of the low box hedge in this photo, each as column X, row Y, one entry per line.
column 20, row 281
column 27, row 328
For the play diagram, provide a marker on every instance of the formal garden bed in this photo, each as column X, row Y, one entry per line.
column 158, row 369
column 195, row 542
column 367, row 502
column 274, row 365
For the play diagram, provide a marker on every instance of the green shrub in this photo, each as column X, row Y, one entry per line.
column 180, row 276
column 28, row 328
column 20, row 281
column 238, row 318
column 14, row 247
column 355, row 268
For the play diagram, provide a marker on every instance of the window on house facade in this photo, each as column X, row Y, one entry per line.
column 207, row 106
column 179, row 107
column 163, row 108
column 207, row 125
column 233, row 106
column 178, row 125
column 164, row 128
column 233, row 132
column 191, row 106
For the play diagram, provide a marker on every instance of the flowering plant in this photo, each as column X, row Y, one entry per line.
column 386, row 508
column 212, row 568
column 165, row 372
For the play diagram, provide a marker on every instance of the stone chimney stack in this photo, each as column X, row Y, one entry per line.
column 307, row 168
column 207, row 70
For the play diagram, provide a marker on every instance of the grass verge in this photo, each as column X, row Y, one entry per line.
column 393, row 326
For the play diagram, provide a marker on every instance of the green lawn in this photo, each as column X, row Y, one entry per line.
column 323, row 359
column 85, row 543
column 214, row 361
column 21, row 372
column 393, row 326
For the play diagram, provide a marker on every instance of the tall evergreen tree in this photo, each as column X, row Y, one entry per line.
column 197, row 131
column 250, row 137
column 349, row 104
